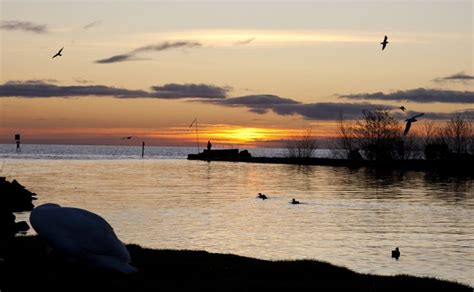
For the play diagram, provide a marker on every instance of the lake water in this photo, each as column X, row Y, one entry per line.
column 352, row 218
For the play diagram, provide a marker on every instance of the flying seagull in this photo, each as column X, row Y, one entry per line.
column 384, row 43
column 409, row 121
column 128, row 137
column 402, row 108
column 58, row 53
column 81, row 235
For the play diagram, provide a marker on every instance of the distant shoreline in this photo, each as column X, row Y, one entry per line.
column 27, row 266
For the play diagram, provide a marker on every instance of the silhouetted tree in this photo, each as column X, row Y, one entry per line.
column 411, row 148
column 434, row 144
column 301, row 147
column 458, row 132
column 378, row 135
column 345, row 141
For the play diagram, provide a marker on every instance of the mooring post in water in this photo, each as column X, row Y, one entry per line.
column 143, row 148
column 17, row 139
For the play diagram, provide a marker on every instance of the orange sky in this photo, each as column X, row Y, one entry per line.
column 309, row 52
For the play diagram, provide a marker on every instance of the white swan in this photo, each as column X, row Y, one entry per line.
column 81, row 235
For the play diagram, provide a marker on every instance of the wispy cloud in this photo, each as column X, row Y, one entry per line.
column 244, row 42
column 150, row 48
column 166, row 46
column 421, row 95
column 92, row 24
column 42, row 89
column 226, row 37
column 23, row 26
column 117, row 59
column 458, row 77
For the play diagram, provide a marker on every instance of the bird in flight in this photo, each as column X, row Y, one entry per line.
column 58, row 53
column 128, row 137
column 402, row 108
column 384, row 43
column 409, row 121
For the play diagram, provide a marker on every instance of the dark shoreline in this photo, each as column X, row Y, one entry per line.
column 27, row 267
column 457, row 166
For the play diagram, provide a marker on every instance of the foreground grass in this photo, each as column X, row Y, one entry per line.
column 27, row 267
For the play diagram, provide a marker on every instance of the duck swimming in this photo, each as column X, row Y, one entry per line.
column 262, row 196
column 396, row 253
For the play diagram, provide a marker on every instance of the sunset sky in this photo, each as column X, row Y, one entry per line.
column 252, row 73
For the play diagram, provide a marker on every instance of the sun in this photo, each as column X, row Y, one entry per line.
column 248, row 134
column 241, row 135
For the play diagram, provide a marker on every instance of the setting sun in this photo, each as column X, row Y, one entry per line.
column 245, row 135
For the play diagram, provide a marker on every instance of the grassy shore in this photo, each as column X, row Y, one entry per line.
column 27, row 267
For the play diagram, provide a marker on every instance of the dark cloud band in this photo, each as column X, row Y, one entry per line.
column 212, row 95
column 316, row 111
column 173, row 90
column 420, row 95
column 38, row 88
column 285, row 106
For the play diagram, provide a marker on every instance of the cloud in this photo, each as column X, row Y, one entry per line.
column 420, row 95
column 150, row 48
column 458, row 77
column 173, row 90
column 289, row 37
column 92, row 24
column 167, row 46
column 255, row 103
column 39, row 89
column 469, row 113
column 257, row 100
column 116, row 59
column 285, row 106
column 24, row 26
column 328, row 111
column 211, row 94
column 244, row 42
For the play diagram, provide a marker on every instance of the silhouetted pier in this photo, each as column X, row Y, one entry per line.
column 221, row 154
column 455, row 166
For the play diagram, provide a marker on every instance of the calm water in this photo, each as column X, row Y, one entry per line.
column 350, row 218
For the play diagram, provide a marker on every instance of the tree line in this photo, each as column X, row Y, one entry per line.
column 378, row 135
